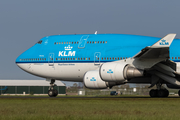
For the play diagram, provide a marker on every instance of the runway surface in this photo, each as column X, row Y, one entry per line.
column 59, row 97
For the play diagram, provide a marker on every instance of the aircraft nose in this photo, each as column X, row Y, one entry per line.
column 21, row 63
column 18, row 61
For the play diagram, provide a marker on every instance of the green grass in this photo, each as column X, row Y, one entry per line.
column 90, row 108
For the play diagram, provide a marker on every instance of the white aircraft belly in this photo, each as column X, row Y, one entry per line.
column 59, row 71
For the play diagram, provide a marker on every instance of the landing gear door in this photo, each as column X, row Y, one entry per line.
column 51, row 59
column 82, row 41
column 97, row 58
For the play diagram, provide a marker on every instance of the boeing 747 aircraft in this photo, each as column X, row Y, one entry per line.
column 106, row 60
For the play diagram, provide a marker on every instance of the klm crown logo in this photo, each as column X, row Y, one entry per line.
column 110, row 71
column 67, row 51
column 68, row 47
column 163, row 42
column 93, row 79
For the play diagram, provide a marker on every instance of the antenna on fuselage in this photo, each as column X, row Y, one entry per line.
column 95, row 33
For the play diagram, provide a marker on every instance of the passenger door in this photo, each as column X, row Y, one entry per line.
column 97, row 56
column 51, row 59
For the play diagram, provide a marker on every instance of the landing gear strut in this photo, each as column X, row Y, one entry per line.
column 52, row 92
column 159, row 92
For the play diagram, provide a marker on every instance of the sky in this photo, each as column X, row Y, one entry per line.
column 24, row 22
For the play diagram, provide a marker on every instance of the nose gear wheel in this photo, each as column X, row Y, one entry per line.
column 52, row 92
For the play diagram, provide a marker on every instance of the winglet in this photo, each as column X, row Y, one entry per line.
column 165, row 41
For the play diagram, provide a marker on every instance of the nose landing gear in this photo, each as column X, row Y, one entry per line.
column 52, row 92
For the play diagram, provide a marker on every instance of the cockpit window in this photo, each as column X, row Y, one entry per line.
column 39, row 42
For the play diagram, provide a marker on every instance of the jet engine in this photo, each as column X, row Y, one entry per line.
column 118, row 71
column 92, row 80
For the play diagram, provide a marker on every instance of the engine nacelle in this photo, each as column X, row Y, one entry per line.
column 92, row 80
column 118, row 71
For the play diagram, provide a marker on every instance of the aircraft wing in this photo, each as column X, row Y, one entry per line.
column 162, row 69
column 158, row 50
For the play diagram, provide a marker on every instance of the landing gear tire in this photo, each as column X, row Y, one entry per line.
column 53, row 93
column 179, row 93
column 153, row 93
column 166, row 93
column 50, row 93
column 159, row 93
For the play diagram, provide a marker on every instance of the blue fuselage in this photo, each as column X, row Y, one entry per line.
column 55, row 56
column 96, row 48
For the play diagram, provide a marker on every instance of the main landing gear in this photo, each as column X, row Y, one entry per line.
column 179, row 93
column 52, row 92
column 159, row 92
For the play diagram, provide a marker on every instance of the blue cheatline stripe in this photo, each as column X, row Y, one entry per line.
column 4, row 88
column 72, row 61
column 63, row 62
column 176, row 60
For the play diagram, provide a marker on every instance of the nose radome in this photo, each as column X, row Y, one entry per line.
column 18, row 61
